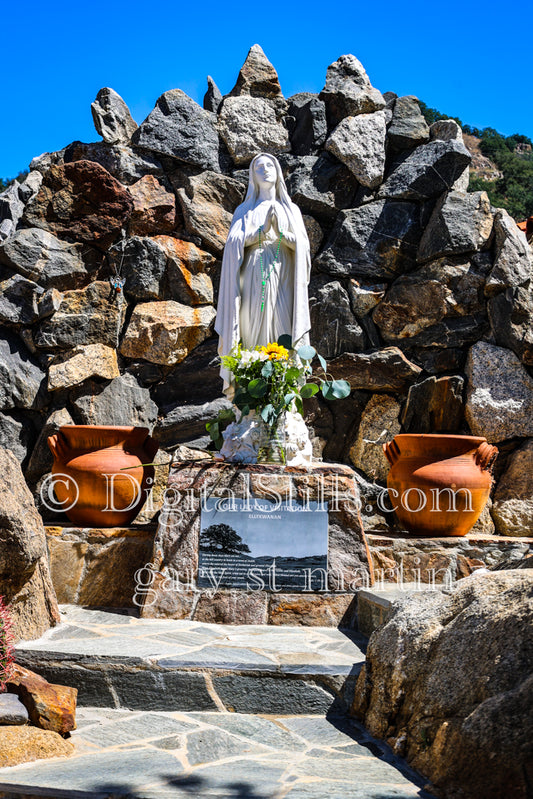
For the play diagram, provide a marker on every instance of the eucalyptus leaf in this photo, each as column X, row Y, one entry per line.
column 309, row 390
column 288, row 398
column 257, row 388
column 306, row 353
column 322, row 361
column 293, row 373
column 214, row 431
column 268, row 368
column 299, row 405
column 285, row 341
column 341, row 389
column 268, row 414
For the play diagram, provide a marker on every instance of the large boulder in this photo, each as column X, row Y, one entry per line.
column 112, row 118
column 71, row 368
column 460, row 223
column 22, row 381
column 252, row 125
column 19, row 299
column 512, row 507
column 379, row 424
column 383, row 370
column 359, row 142
column 86, row 316
column 377, row 240
column 15, row 435
column 310, row 128
column 499, row 401
column 427, row 172
column 334, row 328
column 434, row 406
column 142, row 262
column 447, row 683
column 187, row 265
column 208, row 201
column 408, row 128
column 180, row 128
column 513, row 264
column 417, row 304
column 80, row 201
column 120, row 402
column 126, row 164
column 24, row 574
column 154, row 207
column 348, row 91
column 320, row 185
column 42, row 257
column 165, row 332
column 511, row 320
column 257, row 77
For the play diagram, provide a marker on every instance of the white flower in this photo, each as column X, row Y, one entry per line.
column 262, row 356
column 247, row 357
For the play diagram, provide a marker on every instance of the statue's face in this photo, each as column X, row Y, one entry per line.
column 265, row 171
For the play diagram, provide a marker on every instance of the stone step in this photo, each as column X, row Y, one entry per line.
column 150, row 755
column 116, row 660
column 374, row 604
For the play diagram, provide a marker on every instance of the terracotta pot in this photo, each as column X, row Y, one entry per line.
column 96, row 490
column 439, row 484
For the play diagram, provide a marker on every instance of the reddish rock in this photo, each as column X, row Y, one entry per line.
column 50, row 707
column 154, row 208
column 80, row 201
column 186, row 268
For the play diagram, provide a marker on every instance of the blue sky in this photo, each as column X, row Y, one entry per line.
column 468, row 59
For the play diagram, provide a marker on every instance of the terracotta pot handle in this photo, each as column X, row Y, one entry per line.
column 485, row 456
column 392, row 451
column 59, row 447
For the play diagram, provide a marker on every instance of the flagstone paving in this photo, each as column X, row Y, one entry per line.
column 118, row 660
column 146, row 755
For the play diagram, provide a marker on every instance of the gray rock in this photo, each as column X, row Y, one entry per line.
column 15, row 435
column 434, row 406
column 500, row 394
column 30, row 185
column 348, row 91
column 276, row 696
column 142, row 262
column 321, row 185
column 92, row 315
column 124, row 163
column 212, row 97
column 377, row 240
column 22, row 382
column 40, row 256
column 435, row 292
column 195, row 380
column 42, row 163
column 180, row 128
column 314, row 234
column 513, row 264
column 446, row 130
column 359, row 142
column 18, row 299
column 112, row 118
column 437, row 361
column 186, row 423
column 334, row 328
column 460, row 223
column 11, row 209
column 251, row 125
column 41, row 459
column 379, row 424
column 49, row 303
column 427, row 172
column 310, row 127
column 365, row 296
column 12, row 711
column 470, row 735
column 208, row 202
column 512, row 507
column 257, row 77
column 408, row 127
column 511, row 320
column 121, row 402
column 384, row 370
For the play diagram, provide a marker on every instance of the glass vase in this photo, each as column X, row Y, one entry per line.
column 272, row 443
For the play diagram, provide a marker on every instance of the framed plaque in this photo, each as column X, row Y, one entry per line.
column 263, row 546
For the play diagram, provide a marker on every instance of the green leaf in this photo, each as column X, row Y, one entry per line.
column 285, row 341
column 257, row 388
column 226, row 415
column 335, row 389
column 323, row 363
column 214, row 431
column 299, row 405
column 245, row 410
column 268, row 414
column 242, row 398
column 292, row 373
column 306, row 353
column 288, row 398
column 341, row 389
column 268, row 368
column 309, row 390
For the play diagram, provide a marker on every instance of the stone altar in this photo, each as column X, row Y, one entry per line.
column 167, row 587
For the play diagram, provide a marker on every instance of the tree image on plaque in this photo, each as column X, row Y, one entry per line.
column 222, row 538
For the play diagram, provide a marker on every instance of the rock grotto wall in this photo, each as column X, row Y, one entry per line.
column 420, row 292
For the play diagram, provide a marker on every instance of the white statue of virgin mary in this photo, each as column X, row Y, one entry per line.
column 265, row 267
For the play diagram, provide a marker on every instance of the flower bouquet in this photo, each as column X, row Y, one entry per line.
column 272, row 380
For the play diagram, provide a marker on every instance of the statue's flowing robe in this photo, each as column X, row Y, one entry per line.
column 227, row 323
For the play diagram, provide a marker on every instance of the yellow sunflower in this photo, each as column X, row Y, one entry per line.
column 275, row 352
